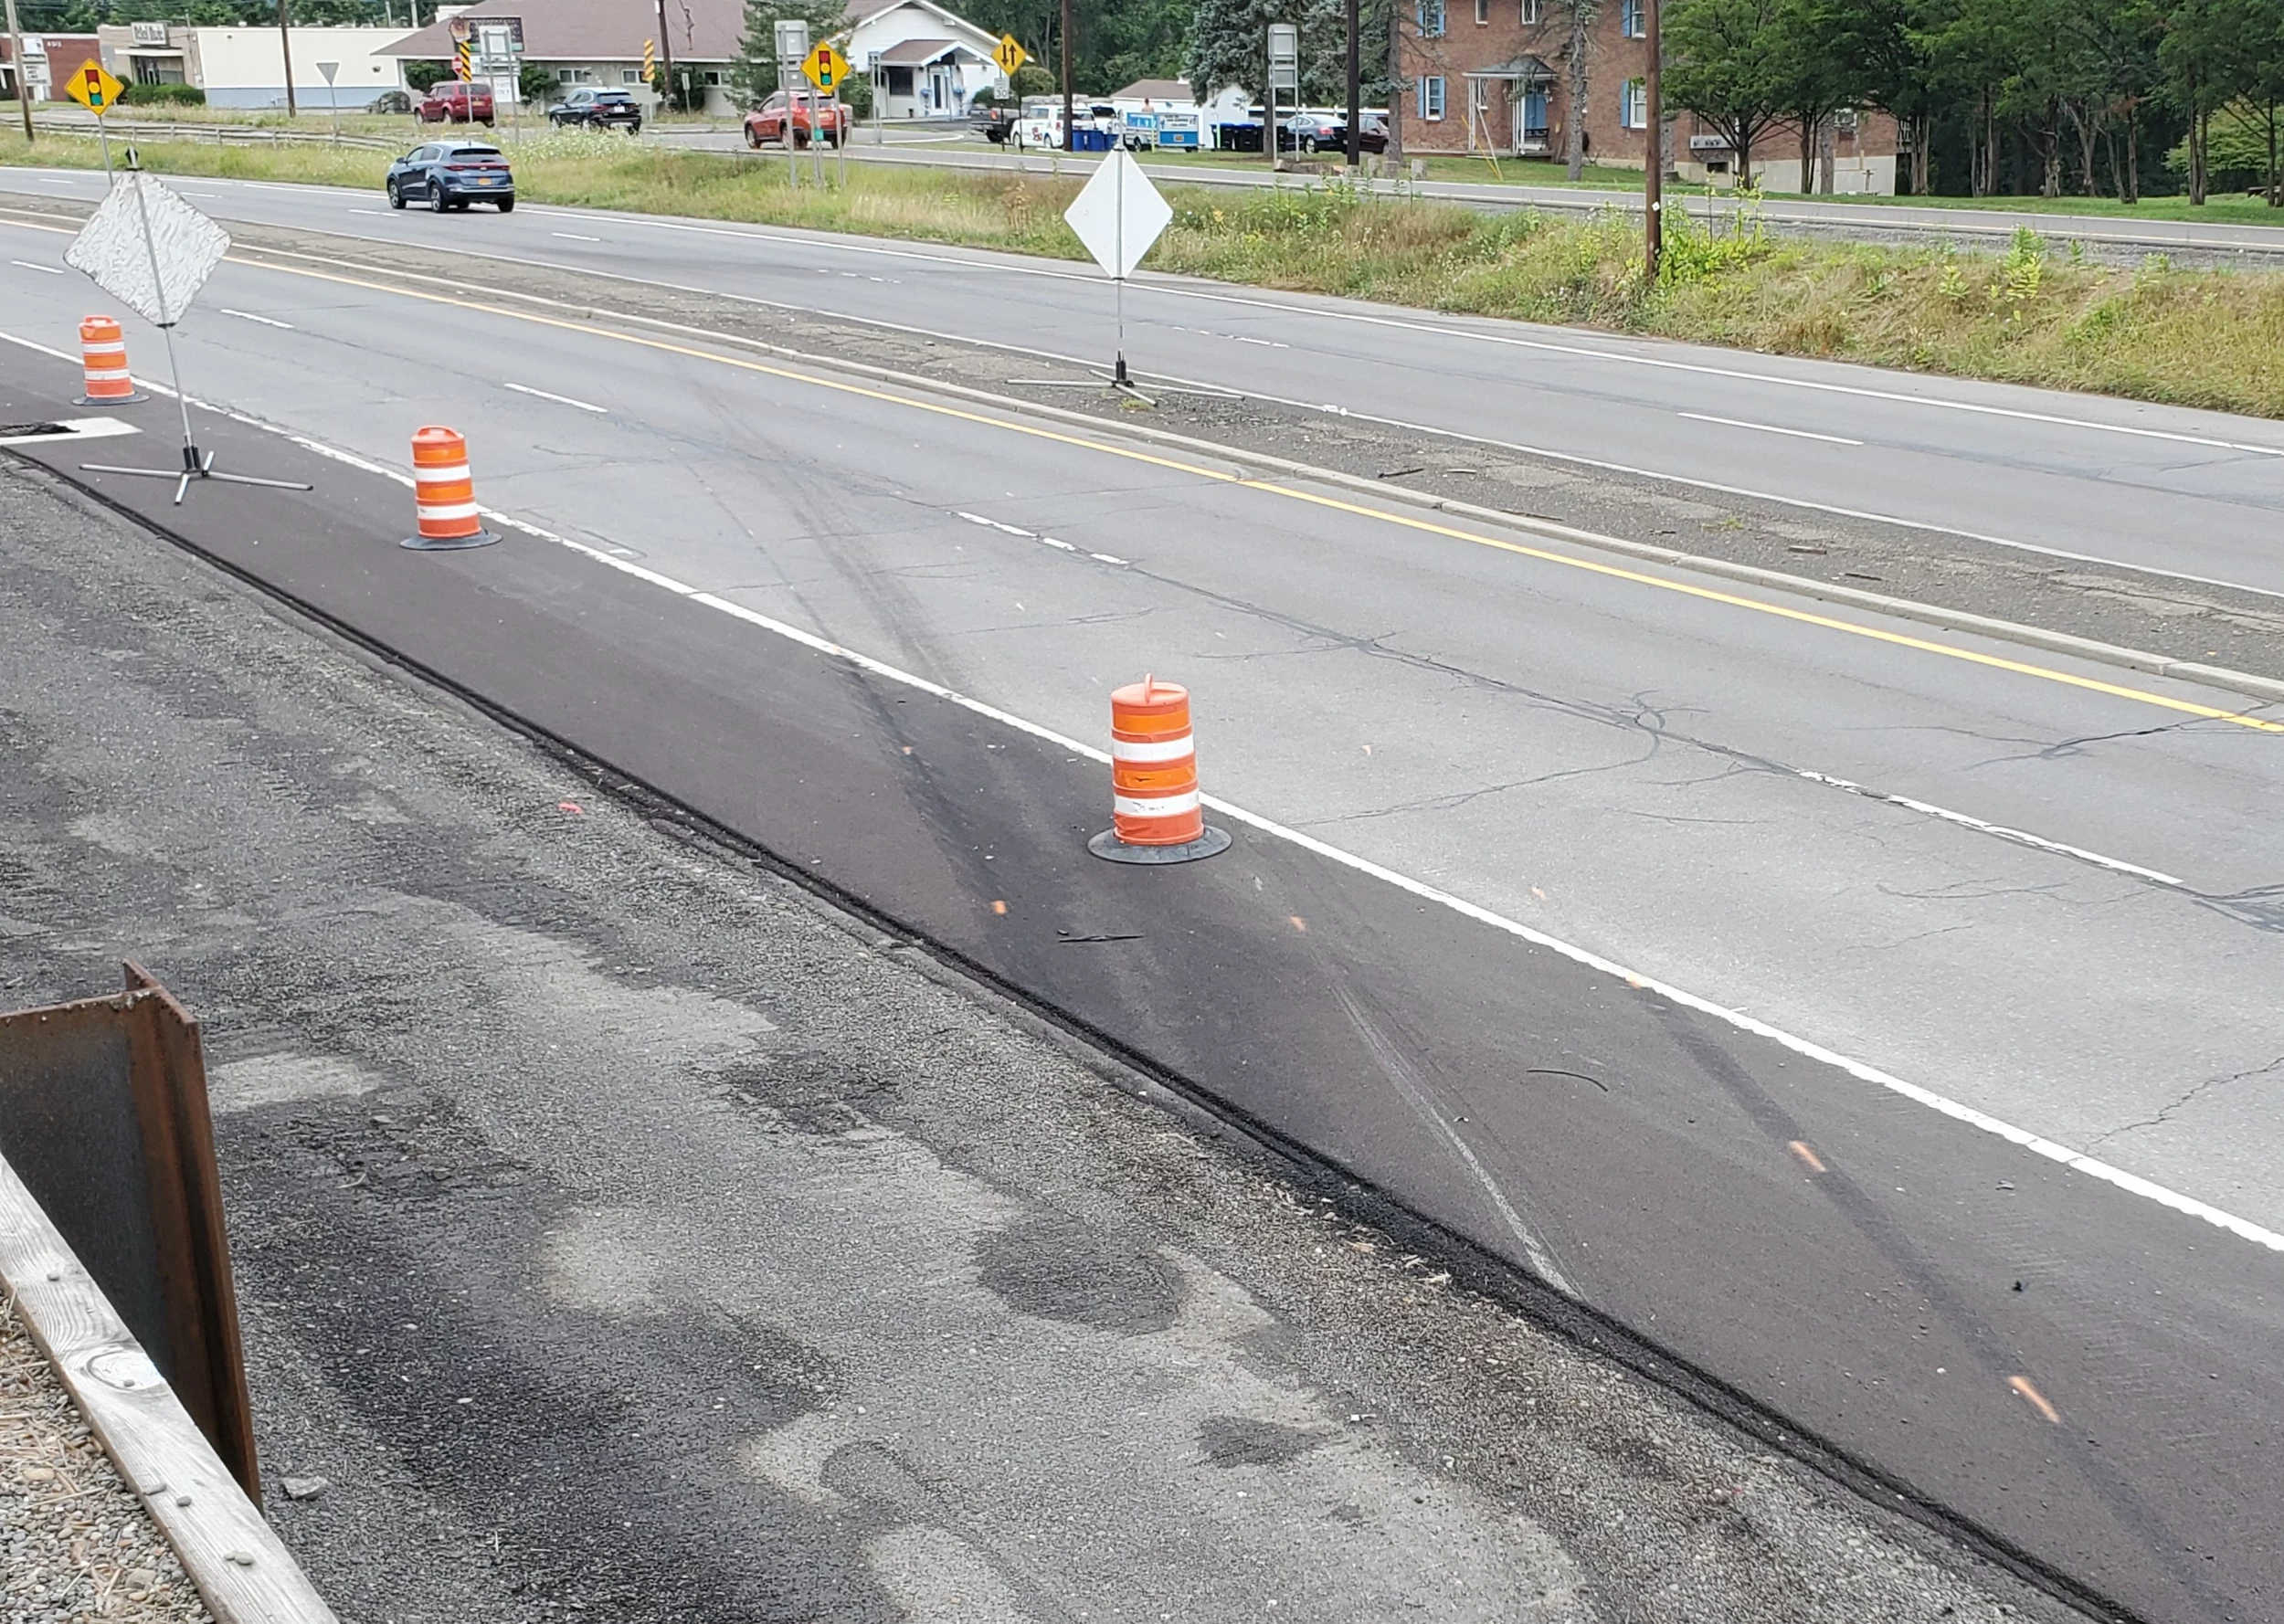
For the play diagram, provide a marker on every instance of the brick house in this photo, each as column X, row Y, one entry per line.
column 1492, row 77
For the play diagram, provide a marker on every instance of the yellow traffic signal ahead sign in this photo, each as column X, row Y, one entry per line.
column 92, row 88
column 1010, row 55
column 826, row 68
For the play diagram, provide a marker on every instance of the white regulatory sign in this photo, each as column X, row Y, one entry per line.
column 1118, row 214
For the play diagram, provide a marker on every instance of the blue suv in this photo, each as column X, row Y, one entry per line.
column 452, row 175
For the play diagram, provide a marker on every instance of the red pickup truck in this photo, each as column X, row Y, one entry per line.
column 809, row 113
column 449, row 101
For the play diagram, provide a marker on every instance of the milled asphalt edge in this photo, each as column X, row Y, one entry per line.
column 2267, row 689
column 1930, row 1526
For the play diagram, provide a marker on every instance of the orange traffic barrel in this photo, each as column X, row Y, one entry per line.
column 444, row 493
column 1156, row 815
column 103, row 354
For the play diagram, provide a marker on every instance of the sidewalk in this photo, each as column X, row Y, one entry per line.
column 624, row 1235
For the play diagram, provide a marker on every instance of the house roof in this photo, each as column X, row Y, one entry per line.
column 919, row 53
column 597, row 30
column 950, row 19
column 1156, row 90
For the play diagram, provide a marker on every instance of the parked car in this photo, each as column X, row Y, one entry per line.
column 1329, row 133
column 452, row 175
column 599, row 110
column 808, row 114
column 451, row 100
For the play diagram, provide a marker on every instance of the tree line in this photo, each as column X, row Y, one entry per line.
column 2090, row 96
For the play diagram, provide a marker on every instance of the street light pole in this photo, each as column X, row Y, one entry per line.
column 1070, row 135
column 666, row 84
column 23, row 80
column 285, row 44
column 1653, row 171
column 1356, row 89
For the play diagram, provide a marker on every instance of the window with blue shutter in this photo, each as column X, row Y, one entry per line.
column 1430, row 14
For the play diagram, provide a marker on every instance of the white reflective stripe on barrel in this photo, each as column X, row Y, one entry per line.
column 457, row 510
column 1172, row 805
column 1173, row 749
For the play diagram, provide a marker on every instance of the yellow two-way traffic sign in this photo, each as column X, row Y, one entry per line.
column 826, row 66
column 92, row 88
column 1010, row 55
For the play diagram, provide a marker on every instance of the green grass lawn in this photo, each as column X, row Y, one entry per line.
column 2036, row 316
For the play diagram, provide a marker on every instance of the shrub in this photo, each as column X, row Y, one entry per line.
column 422, row 76
column 161, row 96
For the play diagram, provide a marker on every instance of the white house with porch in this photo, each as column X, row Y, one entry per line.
column 924, row 62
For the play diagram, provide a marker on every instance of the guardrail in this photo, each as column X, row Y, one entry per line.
column 221, row 134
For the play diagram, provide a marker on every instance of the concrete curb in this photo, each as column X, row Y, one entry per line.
column 2267, row 689
column 240, row 1569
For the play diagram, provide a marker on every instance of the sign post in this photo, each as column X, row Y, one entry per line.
column 23, row 80
column 333, row 101
column 825, row 68
column 1285, row 74
column 98, row 91
column 792, row 37
column 1117, row 215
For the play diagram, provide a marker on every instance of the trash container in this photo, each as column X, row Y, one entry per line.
column 1090, row 140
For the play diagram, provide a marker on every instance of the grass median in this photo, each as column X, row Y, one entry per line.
column 2036, row 314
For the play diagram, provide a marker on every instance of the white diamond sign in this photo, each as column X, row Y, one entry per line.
column 1118, row 214
column 148, row 248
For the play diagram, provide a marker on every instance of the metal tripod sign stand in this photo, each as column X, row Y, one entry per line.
column 148, row 248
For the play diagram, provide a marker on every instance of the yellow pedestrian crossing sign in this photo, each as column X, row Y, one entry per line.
column 826, row 68
column 92, row 88
column 1010, row 55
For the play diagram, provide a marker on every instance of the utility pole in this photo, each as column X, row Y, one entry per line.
column 285, row 44
column 666, row 84
column 23, row 80
column 1356, row 89
column 1070, row 130
column 1653, row 171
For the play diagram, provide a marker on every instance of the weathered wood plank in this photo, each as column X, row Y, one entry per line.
column 240, row 1567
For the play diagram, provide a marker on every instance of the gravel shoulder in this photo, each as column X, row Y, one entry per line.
column 75, row 1542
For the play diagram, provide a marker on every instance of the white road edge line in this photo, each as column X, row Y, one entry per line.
column 558, row 399
column 1798, row 434
column 249, row 316
column 2036, row 1144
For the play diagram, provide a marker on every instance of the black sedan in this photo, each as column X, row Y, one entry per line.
column 599, row 110
column 1329, row 133
column 452, row 175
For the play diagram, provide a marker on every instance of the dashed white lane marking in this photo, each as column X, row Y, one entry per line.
column 574, row 236
column 1798, row 434
column 1032, row 535
column 43, row 269
column 558, row 399
column 2019, row 837
column 265, row 321
column 2133, row 1184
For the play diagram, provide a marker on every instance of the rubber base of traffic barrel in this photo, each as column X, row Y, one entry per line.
column 110, row 399
column 450, row 544
column 1109, row 846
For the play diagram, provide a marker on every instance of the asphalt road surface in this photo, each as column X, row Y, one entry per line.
column 2192, row 493
column 1737, row 969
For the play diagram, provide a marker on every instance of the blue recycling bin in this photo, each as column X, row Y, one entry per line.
column 1090, row 140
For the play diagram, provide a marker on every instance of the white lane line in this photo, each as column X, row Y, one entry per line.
column 206, row 196
column 1149, row 284
column 2019, row 837
column 574, row 236
column 43, row 269
column 368, row 211
column 265, row 321
column 1798, row 434
column 2037, row 1145
column 1030, row 535
column 46, row 181
column 558, row 399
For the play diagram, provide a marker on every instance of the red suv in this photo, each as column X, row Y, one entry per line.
column 449, row 101
column 810, row 112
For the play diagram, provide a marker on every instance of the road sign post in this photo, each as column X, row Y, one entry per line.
column 333, row 100
column 1285, row 74
column 1116, row 215
column 792, row 40
column 825, row 68
column 23, row 80
column 98, row 91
